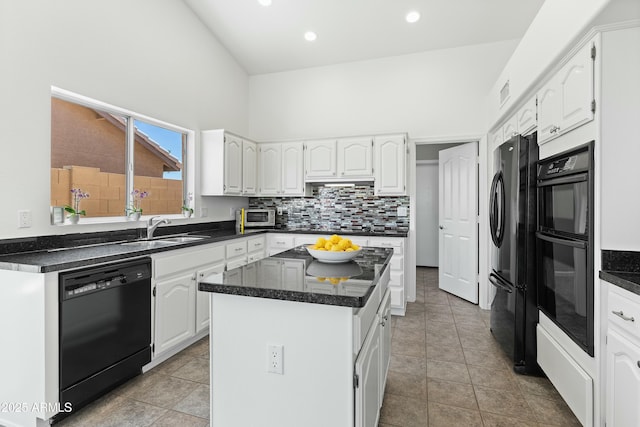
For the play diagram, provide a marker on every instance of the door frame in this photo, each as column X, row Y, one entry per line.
column 484, row 297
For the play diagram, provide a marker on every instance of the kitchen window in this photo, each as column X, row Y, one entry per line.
column 125, row 162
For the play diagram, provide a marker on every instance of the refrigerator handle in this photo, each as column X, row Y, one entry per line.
column 502, row 209
column 497, row 282
column 493, row 208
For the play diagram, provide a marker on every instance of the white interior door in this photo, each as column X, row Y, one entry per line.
column 427, row 213
column 458, row 201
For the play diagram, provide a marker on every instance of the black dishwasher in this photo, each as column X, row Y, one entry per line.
column 105, row 328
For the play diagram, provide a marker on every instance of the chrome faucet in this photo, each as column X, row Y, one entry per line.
column 151, row 226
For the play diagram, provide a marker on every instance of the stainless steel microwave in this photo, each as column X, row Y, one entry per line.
column 257, row 218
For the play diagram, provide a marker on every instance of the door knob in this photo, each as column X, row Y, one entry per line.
column 442, row 227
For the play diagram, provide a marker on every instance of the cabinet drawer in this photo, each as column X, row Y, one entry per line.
column 396, row 244
column 255, row 244
column 397, row 263
column 256, row 256
column 236, row 262
column 397, row 296
column 172, row 263
column 281, row 242
column 397, row 279
column 622, row 307
column 236, row 249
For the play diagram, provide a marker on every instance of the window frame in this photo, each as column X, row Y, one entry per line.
column 188, row 151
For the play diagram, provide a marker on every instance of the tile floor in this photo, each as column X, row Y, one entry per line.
column 446, row 370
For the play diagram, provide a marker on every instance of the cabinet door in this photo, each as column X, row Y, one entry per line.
column 390, row 154
column 384, row 316
column 249, row 167
column 270, row 169
column 355, row 158
column 202, row 298
column 174, row 311
column 320, row 159
column 548, row 112
column 232, row 164
column 496, row 139
column 293, row 169
column 510, row 129
column 575, row 82
column 367, row 369
column 292, row 274
column 526, row 117
column 623, row 381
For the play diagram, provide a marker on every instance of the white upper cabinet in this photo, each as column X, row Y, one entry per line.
column 567, row 100
column 270, row 169
column 390, row 165
column 232, row 165
column 293, row 169
column 355, row 158
column 320, row 160
column 281, row 168
column 526, row 117
column 510, row 128
column 249, row 168
column 339, row 160
column 228, row 164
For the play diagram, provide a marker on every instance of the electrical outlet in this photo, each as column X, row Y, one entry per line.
column 275, row 359
column 24, row 219
column 401, row 211
column 279, row 210
column 204, row 212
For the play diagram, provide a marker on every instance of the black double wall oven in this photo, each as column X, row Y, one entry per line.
column 565, row 242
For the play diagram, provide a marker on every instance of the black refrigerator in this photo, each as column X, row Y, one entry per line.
column 512, row 221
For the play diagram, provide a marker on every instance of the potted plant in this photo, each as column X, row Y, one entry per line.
column 134, row 210
column 74, row 210
column 187, row 210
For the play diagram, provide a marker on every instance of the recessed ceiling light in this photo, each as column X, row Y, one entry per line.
column 310, row 36
column 412, row 17
column 265, row 2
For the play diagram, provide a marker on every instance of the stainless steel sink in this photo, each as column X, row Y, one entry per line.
column 148, row 244
column 181, row 239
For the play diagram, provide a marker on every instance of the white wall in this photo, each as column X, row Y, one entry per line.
column 429, row 94
column 153, row 57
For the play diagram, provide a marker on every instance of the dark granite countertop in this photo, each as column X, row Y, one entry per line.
column 622, row 269
column 348, row 284
column 386, row 233
column 626, row 280
column 61, row 252
column 58, row 259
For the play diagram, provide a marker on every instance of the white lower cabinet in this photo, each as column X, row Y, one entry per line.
column 384, row 317
column 175, row 311
column 396, row 284
column 279, row 242
column 367, row 381
column 202, row 298
column 175, row 284
column 623, row 358
column 623, row 381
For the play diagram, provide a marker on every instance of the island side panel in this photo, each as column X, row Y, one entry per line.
column 316, row 388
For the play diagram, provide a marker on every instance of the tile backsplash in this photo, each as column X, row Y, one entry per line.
column 346, row 209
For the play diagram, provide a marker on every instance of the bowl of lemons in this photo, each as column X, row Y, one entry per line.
column 334, row 250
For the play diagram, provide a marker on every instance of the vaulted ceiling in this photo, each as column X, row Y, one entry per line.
column 266, row 39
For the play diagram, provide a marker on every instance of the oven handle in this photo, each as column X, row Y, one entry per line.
column 497, row 282
column 564, row 180
column 561, row 241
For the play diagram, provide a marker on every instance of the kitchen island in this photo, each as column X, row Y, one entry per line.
column 298, row 342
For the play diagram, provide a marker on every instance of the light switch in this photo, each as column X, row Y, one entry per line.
column 402, row 211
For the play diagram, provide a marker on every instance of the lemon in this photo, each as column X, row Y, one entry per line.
column 328, row 246
column 335, row 239
column 355, row 247
column 321, row 279
column 336, row 248
column 321, row 242
column 349, row 250
column 334, row 280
